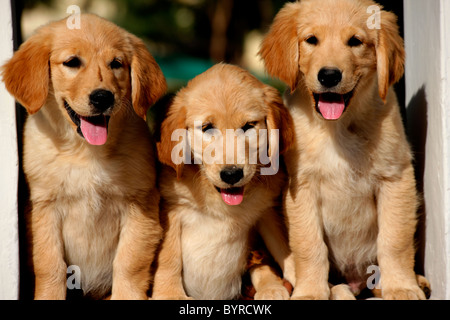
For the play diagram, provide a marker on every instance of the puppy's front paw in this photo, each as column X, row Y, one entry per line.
column 273, row 292
column 424, row 285
column 311, row 293
column 308, row 298
column 175, row 297
column 341, row 292
column 413, row 293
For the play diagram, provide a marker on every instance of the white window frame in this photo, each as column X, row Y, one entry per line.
column 427, row 43
column 9, row 171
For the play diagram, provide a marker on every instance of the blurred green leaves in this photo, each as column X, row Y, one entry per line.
column 187, row 36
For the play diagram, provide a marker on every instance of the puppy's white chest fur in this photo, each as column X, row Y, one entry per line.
column 214, row 256
column 91, row 230
column 91, row 212
column 335, row 164
column 348, row 209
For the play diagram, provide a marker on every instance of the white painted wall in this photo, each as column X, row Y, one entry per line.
column 427, row 41
column 9, row 243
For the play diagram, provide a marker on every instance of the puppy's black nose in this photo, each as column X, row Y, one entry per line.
column 101, row 99
column 329, row 77
column 232, row 174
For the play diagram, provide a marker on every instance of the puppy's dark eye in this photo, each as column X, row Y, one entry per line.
column 207, row 126
column 354, row 42
column 73, row 62
column 248, row 126
column 312, row 40
column 115, row 64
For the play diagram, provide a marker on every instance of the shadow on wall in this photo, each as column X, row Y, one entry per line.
column 417, row 125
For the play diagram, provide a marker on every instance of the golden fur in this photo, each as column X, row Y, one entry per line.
column 351, row 200
column 206, row 243
column 91, row 206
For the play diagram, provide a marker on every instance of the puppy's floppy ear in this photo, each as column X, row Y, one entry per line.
column 278, row 118
column 175, row 119
column 390, row 53
column 280, row 47
column 27, row 73
column 147, row 80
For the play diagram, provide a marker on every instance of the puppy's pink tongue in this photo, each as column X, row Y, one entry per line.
column 331, row 110
column 94, row 129
column 232, row 196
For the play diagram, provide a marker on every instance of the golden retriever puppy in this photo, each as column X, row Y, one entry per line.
column 351, row 201
column 213, row 135
column 88, row 156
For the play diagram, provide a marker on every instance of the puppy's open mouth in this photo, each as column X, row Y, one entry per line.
column 94, row 129
column 232, row 196
column 332, row 105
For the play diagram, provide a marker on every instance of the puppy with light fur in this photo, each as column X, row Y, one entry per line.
column 351, row 200
column 210, row 211
column 88, row 156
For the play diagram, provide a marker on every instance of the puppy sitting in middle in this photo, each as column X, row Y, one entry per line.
column 222, row 134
